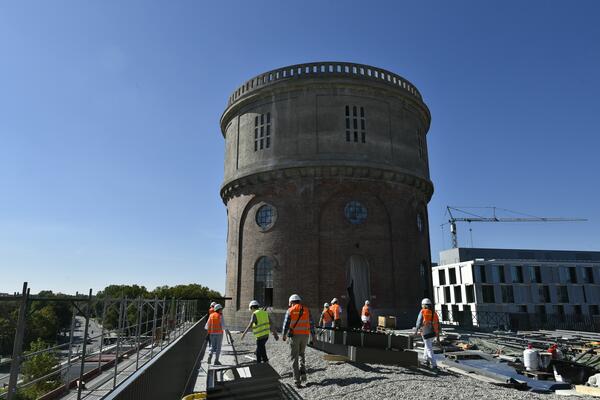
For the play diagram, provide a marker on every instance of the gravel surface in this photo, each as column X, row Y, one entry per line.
column 336, row 380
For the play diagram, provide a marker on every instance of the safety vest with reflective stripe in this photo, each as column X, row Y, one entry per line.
column 336, row 310
column 366, row 312
column 327, row 315
column 431, row 321
column 302, row 327
column 214, row 324
column 261, row 327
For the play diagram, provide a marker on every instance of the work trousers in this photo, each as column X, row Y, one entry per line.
column 297, row 348
column 428, row 352
column 215, row 340
column 366, row 326
column 261, row 349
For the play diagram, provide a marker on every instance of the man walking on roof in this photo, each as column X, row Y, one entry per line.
column 298, row 325
column 428, row 325
column 261, row 325
column 337, row 313
column 215, row 328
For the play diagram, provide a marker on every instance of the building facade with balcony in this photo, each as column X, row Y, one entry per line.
column 540, row 283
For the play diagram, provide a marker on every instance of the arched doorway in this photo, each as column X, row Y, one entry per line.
column 358, row 284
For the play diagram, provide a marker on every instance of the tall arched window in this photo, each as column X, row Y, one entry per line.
column 263, row 281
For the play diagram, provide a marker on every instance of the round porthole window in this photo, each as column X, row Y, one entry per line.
column 266, row 216
column 355, row 212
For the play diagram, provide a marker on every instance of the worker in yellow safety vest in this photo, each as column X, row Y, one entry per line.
column 261, row 325
column 428, row 325
column 215, row 328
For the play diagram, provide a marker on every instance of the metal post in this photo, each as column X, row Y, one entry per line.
column 138, row 333
column 15, row 363
column 85, row 336
column 73, row 317
column 154, row 327
column 118, row 341
column 163, row 332
column 102, row 334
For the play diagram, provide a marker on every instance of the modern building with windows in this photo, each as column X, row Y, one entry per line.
column 539, row 282
column 326, row 185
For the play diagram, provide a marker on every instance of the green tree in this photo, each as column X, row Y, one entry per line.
column 38, row 366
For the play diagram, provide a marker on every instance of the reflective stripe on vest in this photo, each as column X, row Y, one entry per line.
column 214, row 324
column 430, row 319
column 336, row 311
column 261, row 327
column 327, row 316
column 302, row 327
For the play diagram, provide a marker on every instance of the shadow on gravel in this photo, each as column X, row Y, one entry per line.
column 345, row 381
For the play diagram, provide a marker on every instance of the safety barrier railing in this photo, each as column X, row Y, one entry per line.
column 108, row 340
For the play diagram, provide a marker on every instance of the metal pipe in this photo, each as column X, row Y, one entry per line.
column 85, row 334
column 138, row 333
column 18, row 345
column 118, row 341
column 73, row 317
column 102, row 335
column 153, row 327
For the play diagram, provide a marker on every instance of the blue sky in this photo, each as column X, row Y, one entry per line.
column 111, row 156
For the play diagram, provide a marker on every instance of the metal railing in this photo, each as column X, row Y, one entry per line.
column 129, row 333
column 323, row 69
column 167, row 376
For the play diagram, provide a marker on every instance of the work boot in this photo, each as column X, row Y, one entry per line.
column 298, row 385
column 217, row 362
column 209, row 359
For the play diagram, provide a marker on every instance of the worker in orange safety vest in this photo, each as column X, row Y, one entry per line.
column 298, row 326
column 337, row 313
column 215, row 327
column 326, row 320
column 428, row 325
column 365, row 316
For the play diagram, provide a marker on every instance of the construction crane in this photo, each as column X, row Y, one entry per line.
column 472, row 217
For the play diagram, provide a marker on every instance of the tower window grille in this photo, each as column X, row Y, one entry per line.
column 420, row 146
column 262, row 131
column 355, row 124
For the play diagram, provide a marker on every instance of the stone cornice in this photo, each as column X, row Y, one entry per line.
column 236, row 187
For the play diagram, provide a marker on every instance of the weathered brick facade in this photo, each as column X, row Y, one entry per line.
column 311, row 171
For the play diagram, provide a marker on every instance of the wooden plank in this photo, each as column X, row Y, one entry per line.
column 335, row 357
column 588, row 390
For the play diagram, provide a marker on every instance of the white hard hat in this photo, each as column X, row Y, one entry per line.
column 326, row 305
column 426, row 301
column 253, row 303
column 218, row 307
column 334, row 300
column 295, row 297
column 214, row 303
column 367, row 302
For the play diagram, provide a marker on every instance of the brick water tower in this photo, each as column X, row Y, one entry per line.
column 326, row 186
